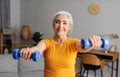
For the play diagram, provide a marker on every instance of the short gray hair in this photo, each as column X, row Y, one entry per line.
column 65, row 13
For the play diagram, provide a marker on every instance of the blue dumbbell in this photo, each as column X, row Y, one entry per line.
column 35, row 55
column 86, row 43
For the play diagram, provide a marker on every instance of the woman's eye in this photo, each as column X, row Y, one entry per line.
column 57, row 22
column 65, row 23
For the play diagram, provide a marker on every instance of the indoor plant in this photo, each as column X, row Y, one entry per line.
column 37, row 36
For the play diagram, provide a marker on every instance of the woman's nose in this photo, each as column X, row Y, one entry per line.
column 61, row 25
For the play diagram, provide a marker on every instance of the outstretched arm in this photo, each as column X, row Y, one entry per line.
column 27, row 52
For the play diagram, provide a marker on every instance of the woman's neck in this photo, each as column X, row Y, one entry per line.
column 60, row 39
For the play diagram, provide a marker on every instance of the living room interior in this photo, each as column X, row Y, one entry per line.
column 38, row 15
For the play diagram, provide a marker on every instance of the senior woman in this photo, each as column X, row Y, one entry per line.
column 60, row 50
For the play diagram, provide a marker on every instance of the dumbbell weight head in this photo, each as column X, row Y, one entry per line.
column 36, row 56
column 105, row 42
column 85, row 43
column 16, row 53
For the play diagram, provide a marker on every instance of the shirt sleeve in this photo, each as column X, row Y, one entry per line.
column 73, row 44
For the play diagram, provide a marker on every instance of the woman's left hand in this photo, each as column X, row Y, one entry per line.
column 95, row 41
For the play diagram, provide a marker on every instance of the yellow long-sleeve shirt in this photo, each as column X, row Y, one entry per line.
column 60, row 58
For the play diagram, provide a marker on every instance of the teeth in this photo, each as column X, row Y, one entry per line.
column 60, row 30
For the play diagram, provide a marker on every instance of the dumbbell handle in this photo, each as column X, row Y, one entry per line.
column 35, row 55
column 86, row 43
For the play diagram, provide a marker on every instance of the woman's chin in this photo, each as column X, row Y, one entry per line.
column 59, row 35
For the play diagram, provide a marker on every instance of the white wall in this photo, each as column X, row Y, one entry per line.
column 39, row 13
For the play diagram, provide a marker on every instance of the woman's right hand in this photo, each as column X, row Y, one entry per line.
column 26, row 53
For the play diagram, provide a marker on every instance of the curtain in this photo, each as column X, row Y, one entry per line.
column 4, row 14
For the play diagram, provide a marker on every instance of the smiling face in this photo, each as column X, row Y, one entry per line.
column 61, row 25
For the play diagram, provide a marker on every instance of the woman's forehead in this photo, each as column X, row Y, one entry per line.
column 62, row 16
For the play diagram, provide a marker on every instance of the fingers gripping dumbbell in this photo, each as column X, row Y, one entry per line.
column 86, row 43
column 35, row 55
